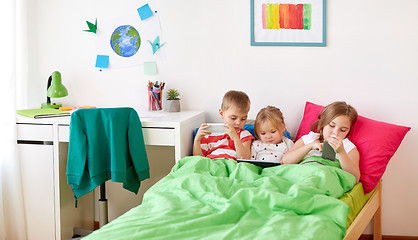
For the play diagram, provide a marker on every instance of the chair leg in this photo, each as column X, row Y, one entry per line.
column 103, row 218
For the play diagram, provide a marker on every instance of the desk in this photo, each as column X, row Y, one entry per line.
column 43, row 167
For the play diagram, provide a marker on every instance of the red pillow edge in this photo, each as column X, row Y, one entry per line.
column 310, row 109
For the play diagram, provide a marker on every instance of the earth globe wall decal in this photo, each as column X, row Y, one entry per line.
column 125, row 41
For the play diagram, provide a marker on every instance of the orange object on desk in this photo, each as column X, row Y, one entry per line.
column 74, row 108
column 87, row 106
column 66, row 108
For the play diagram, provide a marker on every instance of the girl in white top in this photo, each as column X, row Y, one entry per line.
column 333, row 125
column 271, row 144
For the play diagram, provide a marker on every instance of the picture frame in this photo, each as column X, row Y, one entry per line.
column 288, row 23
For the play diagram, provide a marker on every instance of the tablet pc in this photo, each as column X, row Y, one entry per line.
column 328, row 152
column 216, row 127
column 262, row 164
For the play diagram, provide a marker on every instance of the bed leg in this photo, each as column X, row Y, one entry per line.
column 377, row 225
column 377, row 218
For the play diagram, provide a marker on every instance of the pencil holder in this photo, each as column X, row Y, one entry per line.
column 155, row 93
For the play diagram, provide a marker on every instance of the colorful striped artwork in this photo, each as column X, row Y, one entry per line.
column 287, row 16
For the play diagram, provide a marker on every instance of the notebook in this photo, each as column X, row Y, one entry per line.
column 43, row 113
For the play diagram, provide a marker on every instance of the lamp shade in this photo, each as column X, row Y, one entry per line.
column 57, row 89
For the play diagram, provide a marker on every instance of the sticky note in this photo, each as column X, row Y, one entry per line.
column 150, row 68
column 102, row 61
column 144, row 12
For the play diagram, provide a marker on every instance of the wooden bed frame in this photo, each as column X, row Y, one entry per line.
column 372, row 209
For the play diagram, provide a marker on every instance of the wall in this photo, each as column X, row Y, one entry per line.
column 369, row 62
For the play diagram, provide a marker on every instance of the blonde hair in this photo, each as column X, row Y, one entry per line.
column 271, row 114
column 330, row 112
column 237, row 99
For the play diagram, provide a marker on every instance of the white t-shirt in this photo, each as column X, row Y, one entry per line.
column 270, row 152
column 312, row 136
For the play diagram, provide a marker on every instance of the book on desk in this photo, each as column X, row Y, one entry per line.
column 42, row 113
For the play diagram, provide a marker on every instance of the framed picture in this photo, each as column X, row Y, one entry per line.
column 288, row 23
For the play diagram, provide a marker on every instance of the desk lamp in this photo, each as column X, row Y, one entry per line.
column 55, row 89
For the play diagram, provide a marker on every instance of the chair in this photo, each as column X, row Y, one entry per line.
column 105, row 144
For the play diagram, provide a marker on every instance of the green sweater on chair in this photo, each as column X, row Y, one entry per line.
column 106, row 143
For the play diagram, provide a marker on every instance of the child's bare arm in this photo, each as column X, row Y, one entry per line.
column 349, row 161
column 299, row 151
column 197, row 150
column 243, row 149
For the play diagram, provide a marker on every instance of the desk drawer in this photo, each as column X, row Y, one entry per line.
column 34, row 132
column 158, row 136
column 64, row 133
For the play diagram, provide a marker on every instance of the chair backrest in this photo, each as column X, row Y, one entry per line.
column 106, row 143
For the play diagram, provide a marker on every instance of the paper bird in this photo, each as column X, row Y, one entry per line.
column 156, row 44
column 92, row 27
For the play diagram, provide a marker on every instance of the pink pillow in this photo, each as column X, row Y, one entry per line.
column 376, row 142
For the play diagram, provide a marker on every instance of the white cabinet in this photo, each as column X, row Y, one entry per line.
column 49, row 207
column 38, row 188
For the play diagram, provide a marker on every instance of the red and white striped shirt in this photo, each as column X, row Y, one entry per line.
column 220, row 145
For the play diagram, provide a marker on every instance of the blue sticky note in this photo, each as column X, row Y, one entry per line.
column 150, row 68
column 144, row 12
column 102, row 61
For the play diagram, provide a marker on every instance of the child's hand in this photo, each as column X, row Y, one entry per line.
column 317, row 145
column 232, row 132
column 202, row 132
column 336, row 142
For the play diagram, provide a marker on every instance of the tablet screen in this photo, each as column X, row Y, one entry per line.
column 262, row 164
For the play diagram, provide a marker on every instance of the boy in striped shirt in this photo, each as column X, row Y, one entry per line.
column 235, row 142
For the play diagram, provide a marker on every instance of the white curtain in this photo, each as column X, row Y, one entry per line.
column 12, row 218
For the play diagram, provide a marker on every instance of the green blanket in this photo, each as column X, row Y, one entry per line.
column 205, row 199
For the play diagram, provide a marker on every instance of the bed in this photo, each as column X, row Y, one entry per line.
column 206, row 199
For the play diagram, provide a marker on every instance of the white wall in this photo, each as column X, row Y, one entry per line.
column 369, row 61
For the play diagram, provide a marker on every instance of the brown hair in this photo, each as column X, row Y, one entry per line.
column 332, row 111
column 237, row 99
column 271, row 114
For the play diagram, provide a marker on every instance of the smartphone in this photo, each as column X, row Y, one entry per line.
column 328, row 152
column 216, row 127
